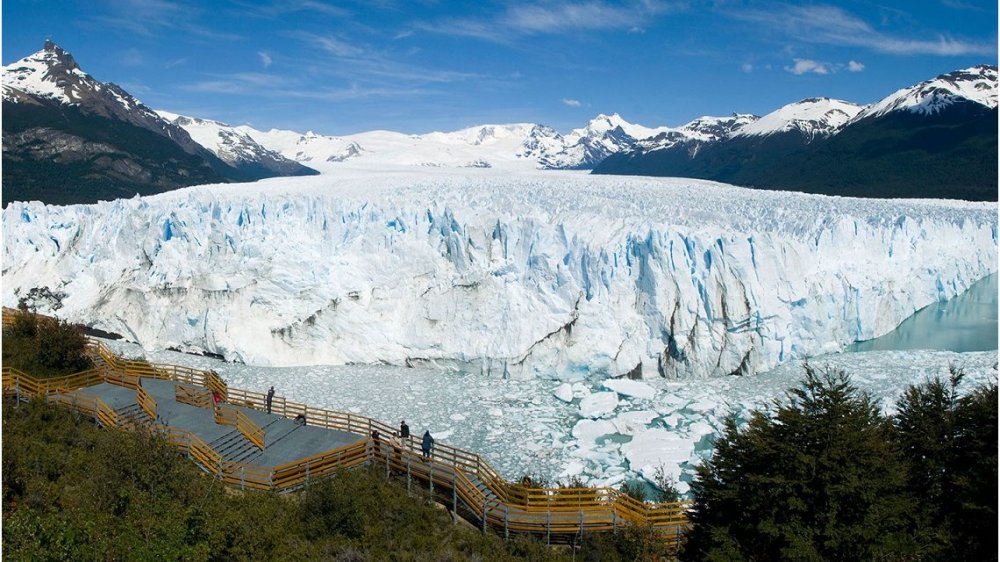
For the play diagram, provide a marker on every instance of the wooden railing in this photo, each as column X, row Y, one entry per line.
column 89, row 405
column 146, row 402
column 508, row 506
column 231, row 416
column 192, row 395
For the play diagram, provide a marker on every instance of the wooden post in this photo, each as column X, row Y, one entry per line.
column 408, row 475
column 548, row 527
column 454, row 499
column 484, row 516
column 506, row 516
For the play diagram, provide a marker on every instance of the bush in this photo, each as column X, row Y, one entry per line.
column 44, row 347
column 74, row 492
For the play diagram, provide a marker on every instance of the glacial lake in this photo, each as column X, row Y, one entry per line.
column 967, row 322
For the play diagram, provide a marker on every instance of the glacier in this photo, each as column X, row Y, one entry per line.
column 513, row 274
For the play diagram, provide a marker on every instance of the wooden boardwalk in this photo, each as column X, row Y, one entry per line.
column 240, row 443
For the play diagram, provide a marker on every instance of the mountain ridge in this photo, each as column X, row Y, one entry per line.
column 936, row 139
column 69, row 138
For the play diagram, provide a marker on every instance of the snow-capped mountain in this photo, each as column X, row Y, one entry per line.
column 53, row 75
column 234, row 147
column 937, row 139
column 70, row 138
column 812, row 117
column 516, row 145
column 533, row 272
column 977, row 84
column 705, row 129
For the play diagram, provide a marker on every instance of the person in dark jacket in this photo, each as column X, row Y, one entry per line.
column 427, row 444
column 404, row 430
column 268, row 399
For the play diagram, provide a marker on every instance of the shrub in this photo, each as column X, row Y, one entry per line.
column 44, row 347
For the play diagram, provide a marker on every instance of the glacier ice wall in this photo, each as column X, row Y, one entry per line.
column 557, row 274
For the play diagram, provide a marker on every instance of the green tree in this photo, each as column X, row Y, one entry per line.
column 43, row 346
column 950, row 444
column 816, row 478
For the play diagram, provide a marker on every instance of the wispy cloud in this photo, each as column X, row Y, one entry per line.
column 281, row 7
column 132, row 57
column 149, row 18
column 554, row 17
column 265, row 58
column 809, row 66
column 335, row 46
column 830, row 25
column 273, row 86
column 358, row 62
column 746, row 68
column 572, row 102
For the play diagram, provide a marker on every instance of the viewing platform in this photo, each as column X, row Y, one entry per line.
column 237, row 441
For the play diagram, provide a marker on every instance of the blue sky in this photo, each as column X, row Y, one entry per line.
column 417, row 66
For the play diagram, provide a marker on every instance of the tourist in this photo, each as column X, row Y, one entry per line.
column 300, row 419
column 397, row 446
column 268, row 399
column 427, row 444
column 404, row 430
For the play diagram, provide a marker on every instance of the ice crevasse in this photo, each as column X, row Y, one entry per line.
column 552, row 274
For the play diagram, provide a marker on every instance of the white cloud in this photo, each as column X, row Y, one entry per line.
column 571, row 102
column 265, row 58
column 746, row 67
column 804, row 66
column 560, row 16
column 830, row 25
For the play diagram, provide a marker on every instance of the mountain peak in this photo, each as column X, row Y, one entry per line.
column 59, row 54
column 49, row 73
column 977, row 84
column 812, row 117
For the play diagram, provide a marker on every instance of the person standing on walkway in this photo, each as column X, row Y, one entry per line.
column 427, row 444
column 404, row 431
column 397, row 447
column 268, row 399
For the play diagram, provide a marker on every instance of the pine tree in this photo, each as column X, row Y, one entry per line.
column 816, row 478
column 950, row 444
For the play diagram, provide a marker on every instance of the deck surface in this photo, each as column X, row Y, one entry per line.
column 285, row 441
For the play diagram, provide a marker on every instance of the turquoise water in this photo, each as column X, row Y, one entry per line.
column 967, row 322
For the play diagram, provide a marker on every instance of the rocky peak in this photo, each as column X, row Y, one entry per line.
column 61, row 56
